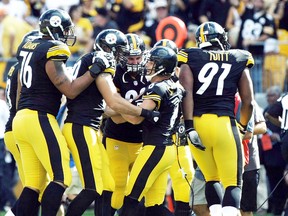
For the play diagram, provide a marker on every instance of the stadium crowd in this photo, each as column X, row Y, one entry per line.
column 113, row 111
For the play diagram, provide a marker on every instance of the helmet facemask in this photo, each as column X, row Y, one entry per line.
column 69, row 37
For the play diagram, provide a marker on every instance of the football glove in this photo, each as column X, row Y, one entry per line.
column 101, row 61
column 193, row 136
column 150, row 115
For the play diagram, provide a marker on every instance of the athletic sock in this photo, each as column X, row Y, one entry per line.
column 130, row 207
column 103, row 205
column 82, row 201
column 51, row 199
column 27, row 202
column 182, row 209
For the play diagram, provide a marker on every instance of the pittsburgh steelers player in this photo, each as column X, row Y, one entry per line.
column 85, row 113
column 182, row 170
column 12, row 95
column 211, row 75
column 122, row 139
column 148, row 177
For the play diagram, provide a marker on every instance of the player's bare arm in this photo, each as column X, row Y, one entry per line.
column 186, row 80
column 112, row 98
column 57, row 72
column 245, row 88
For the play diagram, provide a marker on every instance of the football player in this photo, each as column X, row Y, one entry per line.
column 148, row 177
column 43, row 78
column 182, row 170
column 81, row 128
column 211, row 75
column 122, row 139
column 11, row 99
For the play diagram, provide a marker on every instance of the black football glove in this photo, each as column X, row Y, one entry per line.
column 193, row 136
column 101, row 61
column 150, row 115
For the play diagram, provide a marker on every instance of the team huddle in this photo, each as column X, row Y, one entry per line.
column 135, row 117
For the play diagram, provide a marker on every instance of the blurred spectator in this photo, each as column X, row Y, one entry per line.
column 83, row 30
column 271, row 158
column 34, row 10
column 233, row 22
column 179, row 8
column 129, row 15
column 64, row 5
column 89, row 9
column 257, row 26
column 12, row 30
column 102, row 21
column 214, row 10
column 162, row 11
column 192, row 12
column 191, row 40
column 279, row 10
column 11, row 5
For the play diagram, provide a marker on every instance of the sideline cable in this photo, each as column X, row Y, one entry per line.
column 271, row 192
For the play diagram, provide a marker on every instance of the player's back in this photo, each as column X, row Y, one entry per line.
column 38, row 92
column 87, row 107
column 216, row 75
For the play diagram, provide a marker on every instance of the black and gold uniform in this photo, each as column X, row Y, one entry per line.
column 129, row 19
column 182, row 170
column 42, row 145
column 81, row 131
column 148, row 177
column 38, row 106
column 123, row 141
column 216, row 74
column 11, row 94
column 81, row 126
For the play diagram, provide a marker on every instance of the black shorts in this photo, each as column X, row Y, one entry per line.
column 249, row 191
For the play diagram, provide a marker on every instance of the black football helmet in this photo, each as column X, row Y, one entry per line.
column 164, row 59
column 212, row 35
column 167, row 43
column 57, row 24
column 112, row 40
column 136, row 47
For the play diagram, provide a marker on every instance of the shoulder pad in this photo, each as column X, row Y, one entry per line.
column 58, row 51
column 244, row 55
column 182, row 55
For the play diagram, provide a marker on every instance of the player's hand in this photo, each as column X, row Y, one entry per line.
column 242, row 129
column 101, row 61
column 150, row 115
column 194, row 138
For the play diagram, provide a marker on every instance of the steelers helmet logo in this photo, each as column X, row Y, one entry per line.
column 55, row 21
column 111, row 38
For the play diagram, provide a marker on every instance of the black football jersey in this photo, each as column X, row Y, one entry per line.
column 167, row 95
column 254, row 25
column 87, row 108
column 11, row 93
column 38, row 92
column 216, row 75
column 131, row 89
